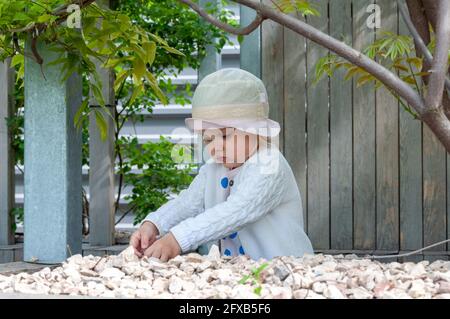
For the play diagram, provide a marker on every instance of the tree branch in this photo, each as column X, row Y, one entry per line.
column 388, row 78
column 225, row 26
column 415, row 34
column 61, row 13
column 431, row 8
column 433, row 98
column 418, row 39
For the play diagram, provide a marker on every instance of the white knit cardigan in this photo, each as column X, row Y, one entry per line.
column 264, row 205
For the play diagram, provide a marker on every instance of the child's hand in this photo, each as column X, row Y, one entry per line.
column 164, row 248
column 144, row 237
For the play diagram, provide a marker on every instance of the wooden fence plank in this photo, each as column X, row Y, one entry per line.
column 341, row 202
column 412, row 258
column 18, row 254
column 317, row 139
column 411, row 237
column 434, row 190
column 295, row 111
column 374, row 153
column 12, row 268
column 432, row 258
column 272, row 70
column 387, row 105
column 6, row 256
column 363, row 142
column 250, row 48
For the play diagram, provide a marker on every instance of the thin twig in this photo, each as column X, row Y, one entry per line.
column 410, row 253
column 70, row 251
column 124, row 214
column 225, row 26
column 93, row 267
column 18, row 167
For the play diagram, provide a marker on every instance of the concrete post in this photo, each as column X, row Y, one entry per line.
column 212, row 61
column 6, row 154
column 53, row 203
column 101, row 163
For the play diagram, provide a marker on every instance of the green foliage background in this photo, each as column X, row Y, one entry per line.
column 140, row 40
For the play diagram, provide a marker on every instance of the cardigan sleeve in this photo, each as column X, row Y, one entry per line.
column 188, row 203
column 256, row 194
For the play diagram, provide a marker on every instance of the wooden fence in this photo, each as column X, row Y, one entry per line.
column 372, row 179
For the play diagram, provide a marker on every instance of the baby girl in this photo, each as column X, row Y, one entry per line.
column 244, row 198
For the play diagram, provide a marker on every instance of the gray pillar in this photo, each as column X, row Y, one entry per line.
column 53, row 204
column 101, row 182
column 212, row 61
column 250, row 49
column 101, row 164
column 6, row 154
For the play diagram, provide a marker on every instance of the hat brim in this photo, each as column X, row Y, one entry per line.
column 264, row 127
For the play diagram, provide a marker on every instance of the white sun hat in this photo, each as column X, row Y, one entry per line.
column 232, row 97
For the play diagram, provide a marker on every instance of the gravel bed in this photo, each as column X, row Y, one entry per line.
column 213, row 276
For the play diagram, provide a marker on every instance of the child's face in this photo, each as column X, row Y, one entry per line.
column 229, row 146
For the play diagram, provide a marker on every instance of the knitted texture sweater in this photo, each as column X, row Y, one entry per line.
column 264, row 206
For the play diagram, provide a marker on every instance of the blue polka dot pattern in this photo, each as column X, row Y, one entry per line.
column 227, row 252
column 233, row 235
column 241, row 250
column 224, row 182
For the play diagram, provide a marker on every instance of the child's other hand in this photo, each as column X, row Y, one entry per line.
column 164, row 248
column 144, row 237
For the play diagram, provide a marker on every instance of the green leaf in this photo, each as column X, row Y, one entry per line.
column 150, row 49
column 244, row 279
column 364, row 79
column 159, row 39
column 306, row 8
column 172, row 50
column 44, row 18
column 153, row 84
column 351, row 72
column 112, row 63
column 422, row 73
column 240, row 38
column 410, row 79
column 417, row 62
column 325, row 65
column 78, row 115
column 260, row 268
column 20, row 16
column 136, row 91
column 139, row 68
column 96, row 91
column 17, row 59
column 101, row 123
column 400, row 67
column 122, row 76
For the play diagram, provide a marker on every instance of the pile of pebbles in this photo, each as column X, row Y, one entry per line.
column 192, row 275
